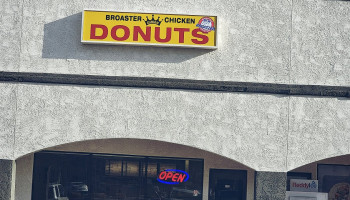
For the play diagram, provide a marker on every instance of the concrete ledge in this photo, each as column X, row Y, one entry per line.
column 182, row 84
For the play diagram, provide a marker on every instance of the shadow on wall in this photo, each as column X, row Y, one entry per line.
column 62, row 41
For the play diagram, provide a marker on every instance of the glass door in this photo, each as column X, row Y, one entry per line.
column 226, row 184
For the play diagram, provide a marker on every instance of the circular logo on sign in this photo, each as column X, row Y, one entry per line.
column 313, row 184
column 206, row 25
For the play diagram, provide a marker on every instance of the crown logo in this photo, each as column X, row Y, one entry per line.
column 152, row 21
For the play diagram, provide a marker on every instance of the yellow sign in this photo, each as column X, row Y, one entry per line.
column 148, row 29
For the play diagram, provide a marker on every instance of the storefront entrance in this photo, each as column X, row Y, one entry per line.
column 225, row 184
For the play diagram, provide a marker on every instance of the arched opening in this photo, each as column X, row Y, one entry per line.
column 111, row 151
column 332, row 176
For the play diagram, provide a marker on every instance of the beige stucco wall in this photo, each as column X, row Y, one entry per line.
column 276, row 41
column 289, row 42
column 248, row 128
column 134, row 147
column 265, row 132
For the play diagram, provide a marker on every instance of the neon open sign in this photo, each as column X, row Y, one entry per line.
column 173, row 176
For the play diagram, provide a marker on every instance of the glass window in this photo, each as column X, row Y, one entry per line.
column 334, row 180
column 191, row 189
column 62, row 173
column 116, row 177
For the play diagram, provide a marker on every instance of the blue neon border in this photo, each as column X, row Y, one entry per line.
column 174, row 170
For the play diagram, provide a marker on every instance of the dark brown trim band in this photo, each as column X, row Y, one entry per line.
column 177, row 84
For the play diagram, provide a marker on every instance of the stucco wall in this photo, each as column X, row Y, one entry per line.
column 264, row 132
column 50, row 41
column 295, row 41
column 271, row 41
column 320, row 42
column 10, row 34
column 7, row 120
column 276, row 41
column 232, row 125
column 318, row 129
column 134, row 147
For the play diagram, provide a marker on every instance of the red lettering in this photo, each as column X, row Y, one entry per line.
column 167, row 37
column 182, row 33
column 175, row 176
column 162, row 175
column 204, row 38
column 169, row 175
column 145, row 36
column 93, row 31
column 124, row 37
column 181, row 178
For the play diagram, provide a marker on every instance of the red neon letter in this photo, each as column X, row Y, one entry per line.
column 169, row 175
column 181, row 178
column 166, row 39
column 93, row 31
column 182, row 33
column 145, row 36
column 175, row 176
column 162, row 175
column 204, row 38
column 114, row 33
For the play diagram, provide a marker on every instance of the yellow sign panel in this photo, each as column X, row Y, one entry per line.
column 149, row 29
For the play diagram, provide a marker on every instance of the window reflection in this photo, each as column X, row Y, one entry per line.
column 101, row 177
